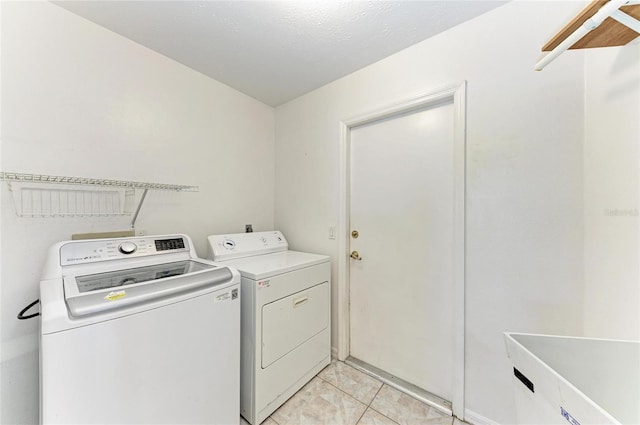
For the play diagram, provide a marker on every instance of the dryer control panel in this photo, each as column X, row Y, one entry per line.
column 90, row 251
column 238, row 245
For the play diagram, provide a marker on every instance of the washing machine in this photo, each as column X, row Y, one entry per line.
column 285, row 326
column 138, row 331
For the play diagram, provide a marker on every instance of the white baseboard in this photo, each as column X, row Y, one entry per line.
column 477, row 419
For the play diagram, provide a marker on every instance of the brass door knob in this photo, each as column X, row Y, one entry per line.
column 356, row 256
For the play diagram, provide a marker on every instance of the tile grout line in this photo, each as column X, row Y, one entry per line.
column 374, row 409
column 269, row 417
column 376, row 395
column 350, row 395
column 343, row 391
column 365, row 411
column 367, row 406
column 382, row 414
column 396, row 389
column 339, row 389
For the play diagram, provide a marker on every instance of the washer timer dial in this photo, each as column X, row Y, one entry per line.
column 127, row 247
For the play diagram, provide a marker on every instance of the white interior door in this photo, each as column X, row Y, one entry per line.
column 402, row 206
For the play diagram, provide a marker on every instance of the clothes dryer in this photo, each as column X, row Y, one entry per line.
column 285, row 309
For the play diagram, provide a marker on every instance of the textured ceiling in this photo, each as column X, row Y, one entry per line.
column 276, row 51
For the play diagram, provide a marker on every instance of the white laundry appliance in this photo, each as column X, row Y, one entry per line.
column 286, row 303
column 138, row 331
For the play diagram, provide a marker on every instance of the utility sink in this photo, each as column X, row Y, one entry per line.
column 580, row 381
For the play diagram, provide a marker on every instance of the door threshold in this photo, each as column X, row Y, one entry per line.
column 401, row 385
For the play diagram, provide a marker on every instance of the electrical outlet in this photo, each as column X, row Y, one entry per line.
column 248, row 228
column 332, row 232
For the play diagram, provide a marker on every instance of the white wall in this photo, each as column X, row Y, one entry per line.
column 80, row 100
column 612, row 192
column 524, row 176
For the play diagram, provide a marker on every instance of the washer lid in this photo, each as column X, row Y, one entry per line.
column 99, row 292
column 125, row 277
column 268, row 265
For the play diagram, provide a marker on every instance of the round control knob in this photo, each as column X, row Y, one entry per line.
column 127, row 247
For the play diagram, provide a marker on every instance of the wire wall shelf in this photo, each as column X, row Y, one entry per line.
column 85, row 181
column 39, row 195
column 36, row 202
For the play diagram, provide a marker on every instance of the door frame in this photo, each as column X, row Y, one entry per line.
column 456, row 94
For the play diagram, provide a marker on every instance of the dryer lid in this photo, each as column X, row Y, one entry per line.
column 269, row 265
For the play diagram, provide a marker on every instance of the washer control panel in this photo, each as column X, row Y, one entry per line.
column 226, row 247
column 90, row 251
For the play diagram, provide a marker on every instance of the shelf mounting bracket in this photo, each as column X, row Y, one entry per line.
column 135, row 214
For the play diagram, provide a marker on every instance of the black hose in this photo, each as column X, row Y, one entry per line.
column 21, row 315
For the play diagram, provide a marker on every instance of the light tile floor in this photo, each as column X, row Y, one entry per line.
column 342, row 395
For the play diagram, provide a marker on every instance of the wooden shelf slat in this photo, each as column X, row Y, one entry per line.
column 609, row 33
